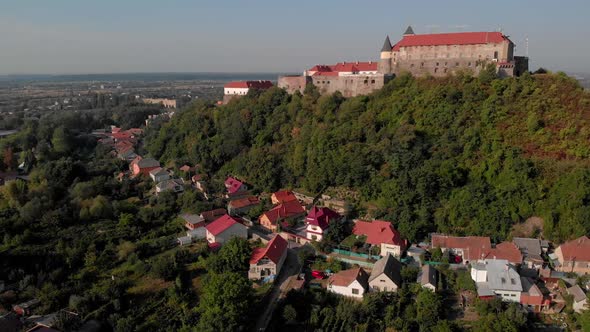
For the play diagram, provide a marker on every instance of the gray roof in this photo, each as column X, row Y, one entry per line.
column 500, row 275
column 158, row 171
column 148, row 162
column 192, row 218
column 390, row 266
column 409, row 31
column 169, row 184
column 386, row 45
column 530, row 248
column 529, row 286
column 428, row 275
column 577, row 292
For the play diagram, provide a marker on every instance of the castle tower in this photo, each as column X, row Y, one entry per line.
column 409, row 31
column 385, row 58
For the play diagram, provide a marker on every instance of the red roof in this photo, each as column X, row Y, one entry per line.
column 244, row 202
column 233, row 185
column 321, row 217
column 506, row 250
column 458, row 38
column 333, row 70
column 285, row 210
column 576, row 250
column 185, row 168
column 274, row 251
column 249, row 84
column 378, row 232
column 221, row 224
column 346, row 277
column 213, row 246
column 284, row 196
column 474, row 247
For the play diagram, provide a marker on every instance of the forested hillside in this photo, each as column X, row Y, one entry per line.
column 460, row 155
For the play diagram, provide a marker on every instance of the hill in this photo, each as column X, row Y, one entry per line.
column 462, row 155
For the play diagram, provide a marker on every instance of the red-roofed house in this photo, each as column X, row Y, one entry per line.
column 281, row 213
column 574, row 256
column 282, row 197
column 144, row 166
column 351, row 283
column 268, row 261
column 467, row 248
column 506, row 250
column 242, row 205
column 381, row 233
column 234, row 185
column 241, row 88
column 224, row 228
column 317, row 220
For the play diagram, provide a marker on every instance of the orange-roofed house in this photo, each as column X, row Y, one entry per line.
column 574, row 256
column 352, row 283
column 506, row 250
column 465, row 248
column 242, row 205
column 144, row 166
column 224, row 228
column 281, row 213
column 381, row 234
column 282, row 196
column 268, row 261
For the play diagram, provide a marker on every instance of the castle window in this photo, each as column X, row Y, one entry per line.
column 412, row 65
column 435, row 70
column 445, row 63
column 496, row 55
column 469, row 64
column 437, row 63
column 366, row 81
column 422, row 65
column 372, row 81
column 328, row 82
column 456, row 64
column 445, row 70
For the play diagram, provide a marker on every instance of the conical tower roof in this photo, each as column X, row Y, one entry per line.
column 386, row 45
column 409, row 31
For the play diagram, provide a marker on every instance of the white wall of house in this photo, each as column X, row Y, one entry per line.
column 312, row 233
column 390, row 248
column 579, row 306
column 478, row 275
column 508, row 296
column 235, row 91
column 382, row 283
column 355, row 289
column 238, row 230
column 197, row 233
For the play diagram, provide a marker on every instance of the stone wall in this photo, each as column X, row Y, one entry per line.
column 350, row 86
column 293, row 83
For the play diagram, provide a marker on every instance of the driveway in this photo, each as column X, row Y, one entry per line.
column 279, row 289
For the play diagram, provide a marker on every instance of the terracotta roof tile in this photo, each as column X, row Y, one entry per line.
column 379, row 231
column 274, row 250
column 578, row 249
column 347, row 277
column 459, row 38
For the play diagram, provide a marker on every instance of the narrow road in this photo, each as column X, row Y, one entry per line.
column 290, row 267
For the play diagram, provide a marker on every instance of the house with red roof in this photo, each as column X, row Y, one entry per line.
column 574, row 256
column 235, row 186
column 532, row 298
column 506, row 250
column 241, row 88
column 242, row 205
column 282, row 213
column 282, row 197
column 381, row 234
column 143, row 166
column 465, row 248
column 317, row 220
column 224, row 228
column 351, row 283
column 268, row 261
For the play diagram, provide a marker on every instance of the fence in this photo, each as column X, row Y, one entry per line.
column 355, row 254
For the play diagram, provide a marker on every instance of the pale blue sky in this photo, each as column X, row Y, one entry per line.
column 109, row 36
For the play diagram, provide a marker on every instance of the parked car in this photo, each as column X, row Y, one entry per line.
column 318, row 274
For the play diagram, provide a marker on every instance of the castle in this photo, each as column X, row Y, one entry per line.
column 437, row 55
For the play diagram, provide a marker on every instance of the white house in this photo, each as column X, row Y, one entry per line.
column 318, row 220
column 497, row 277
column 386, row 275
column 224, row 228
column 351, row 283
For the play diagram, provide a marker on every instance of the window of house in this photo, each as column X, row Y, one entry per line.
column 495, row 54
column 355, row 291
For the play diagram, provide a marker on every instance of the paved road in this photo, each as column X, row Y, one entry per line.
column 279, row 289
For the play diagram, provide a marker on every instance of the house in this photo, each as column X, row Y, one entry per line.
column 386, row 275
column 195, row 225
column 268, row 261
column 184, row 240
column 580, row 299
column 353, row 283
column 288, row 211
column 532, row 250
column 574, row 256
column 506, row 250
column 144, row 166
column 242, row 205
column 496, row 277
column 174, row 185
column 532, row 298
column 24, row 309
column 211, row 215
column 241, row 88
column 464, row 248
column 317, row 220
column 282, row 196
column 428, row 277
column 159, row 174
column 382, row 234
column 234, row 186
column 224, row 228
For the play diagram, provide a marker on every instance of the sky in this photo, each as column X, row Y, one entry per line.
column 123, row 36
